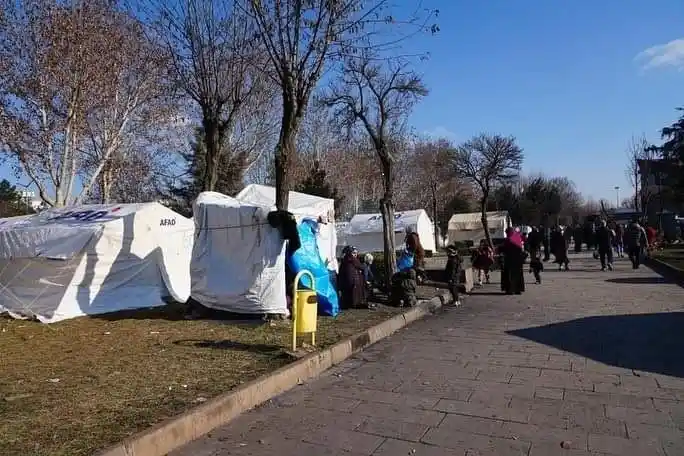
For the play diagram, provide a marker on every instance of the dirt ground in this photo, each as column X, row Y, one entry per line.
column 70, row 388
column 672, row 256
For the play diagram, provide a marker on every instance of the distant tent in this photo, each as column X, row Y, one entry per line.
column 88, row 260
column 365, row 230
column 468, row 227
column 238, row 262
column 302, row 206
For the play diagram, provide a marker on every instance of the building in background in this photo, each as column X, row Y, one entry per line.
column 30, row 199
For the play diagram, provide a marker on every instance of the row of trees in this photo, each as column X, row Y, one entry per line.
column 104, row 102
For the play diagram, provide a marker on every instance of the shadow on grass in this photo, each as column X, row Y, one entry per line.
column 174, row 311
column 232, row 345
column 646, row 342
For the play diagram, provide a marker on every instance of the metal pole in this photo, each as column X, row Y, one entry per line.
column 617, row 197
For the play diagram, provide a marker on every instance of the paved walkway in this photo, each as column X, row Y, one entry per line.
column 588, row 363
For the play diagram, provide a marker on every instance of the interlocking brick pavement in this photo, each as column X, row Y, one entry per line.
column 588, row 363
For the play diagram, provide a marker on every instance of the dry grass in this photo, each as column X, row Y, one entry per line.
column 81, row 385
column 672, row 256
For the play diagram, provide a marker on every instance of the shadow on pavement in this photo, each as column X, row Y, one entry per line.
column 647, row 342
column 639, row 280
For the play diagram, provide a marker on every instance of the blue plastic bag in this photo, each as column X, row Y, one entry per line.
column 309, row 257
column 405, row 261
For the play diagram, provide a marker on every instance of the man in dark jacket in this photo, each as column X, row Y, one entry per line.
column 534, row 241
column 546, row 241
column 635, row 240
column 604, row 241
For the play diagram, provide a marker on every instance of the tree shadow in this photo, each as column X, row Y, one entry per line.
column 232, row 345
column 646, row 342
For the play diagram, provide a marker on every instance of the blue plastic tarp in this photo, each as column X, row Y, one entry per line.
column 309, row 257
column 405, row 261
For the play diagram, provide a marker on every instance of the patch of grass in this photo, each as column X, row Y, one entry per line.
column 672, row 256
column 71, row 388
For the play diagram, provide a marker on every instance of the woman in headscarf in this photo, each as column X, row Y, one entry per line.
column 559, row 248
column 351, row 280
column 512, row 275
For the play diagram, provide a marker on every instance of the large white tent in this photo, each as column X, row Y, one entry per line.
column 365, row 230
column 302, row 206
column 88, row 260
column 468, row 227
column 238, row 262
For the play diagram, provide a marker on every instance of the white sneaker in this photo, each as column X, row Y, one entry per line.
column 479, row 283
column 456, row 303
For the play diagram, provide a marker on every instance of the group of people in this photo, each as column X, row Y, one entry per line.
column 618, row 238
column 355, row 280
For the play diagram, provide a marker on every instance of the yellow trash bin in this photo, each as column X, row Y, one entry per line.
column 304, row 309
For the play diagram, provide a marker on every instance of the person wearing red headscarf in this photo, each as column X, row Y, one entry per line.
column 512, row 275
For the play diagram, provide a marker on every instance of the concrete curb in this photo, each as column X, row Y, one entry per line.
column 178, row 431
column 665, row 269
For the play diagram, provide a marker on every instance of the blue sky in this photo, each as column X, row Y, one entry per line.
column 559, row 75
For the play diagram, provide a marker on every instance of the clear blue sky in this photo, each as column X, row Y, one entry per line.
column 559, row 75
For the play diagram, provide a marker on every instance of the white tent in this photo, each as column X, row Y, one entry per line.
column 468, row 227
column 87, row 260
column 238, row 261
column 365, row 230
column 302, row 206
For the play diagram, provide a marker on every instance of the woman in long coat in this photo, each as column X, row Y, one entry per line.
column 351, row 281
column 513, row 252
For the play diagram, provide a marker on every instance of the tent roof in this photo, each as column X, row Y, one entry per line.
column 91, row 215
column 372, row 223
column 299, row 204
column 473, row 220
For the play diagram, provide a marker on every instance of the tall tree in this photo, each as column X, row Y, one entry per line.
column 639, row 155
column 487, row 161
column 317, row 184
column 229, row 169
column 74, row 86
column 11, row 201
column 379, row 95
column 428, row 162
column 672, row 150
column 218, row 64
column 300, row 37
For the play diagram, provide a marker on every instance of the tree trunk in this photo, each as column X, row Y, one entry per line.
column 387, row 211
column 434, row 216
column 106, row 176
column 483, row 218
column 212, row 144
column 286, row 151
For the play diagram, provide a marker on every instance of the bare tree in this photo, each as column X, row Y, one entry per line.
column 216, row 62
column 72, row 90
column 429, row 169
column 379, row 95
column 300, row 37
column 639, row 152
column 488, row 160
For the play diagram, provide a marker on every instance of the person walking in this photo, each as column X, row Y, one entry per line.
column 512, row 276
column 546, row 241
column 636, row 241
column 559, row 248
column 604, row 243
column 619, row 240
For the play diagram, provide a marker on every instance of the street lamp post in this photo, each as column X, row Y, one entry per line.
column 617, row 197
